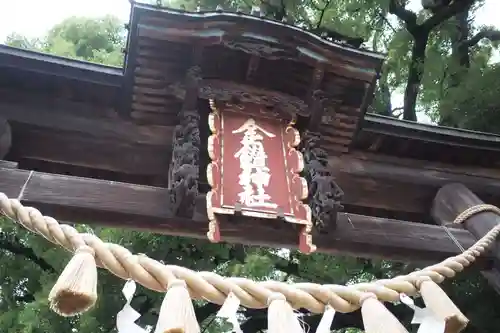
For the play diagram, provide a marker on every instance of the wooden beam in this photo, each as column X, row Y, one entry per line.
column 253, row 65
column 127, row 158
column 367, row 180
column 453, row 199
column 407, row 188
column 92, row 201
column 317, row 110
column 116, row 130
column 427, row 165
column 422, row 176
column 8, row 164
column 5, row 137
column 94, row 142
column 130, row 64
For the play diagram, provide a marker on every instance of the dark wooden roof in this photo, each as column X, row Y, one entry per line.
column 239, row 52
column 63, row 117
column 45, row 76
column 405, row 139
column 56, row 66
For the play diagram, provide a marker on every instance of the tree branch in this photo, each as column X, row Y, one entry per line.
column 289, row 267
column 384, row 18
column 490, row 33
column 145, row 306
column 314, row 5
column 205, row 311
column 322, row 14
column 398, row 109
column 12, row 244
column 420, row 34
column 405, row 15
column 446, row 12
column 277, row 12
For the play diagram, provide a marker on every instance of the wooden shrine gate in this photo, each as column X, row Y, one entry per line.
column 244, row 130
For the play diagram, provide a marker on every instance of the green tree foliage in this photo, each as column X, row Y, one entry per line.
column 475, row 106
column 459, row 91
column 98, row 40
column 17, row 40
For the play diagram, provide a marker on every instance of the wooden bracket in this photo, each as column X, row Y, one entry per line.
column 324, row 193
column 317, row 109
column 316, row 97
column 253, row 65
column 184, row 166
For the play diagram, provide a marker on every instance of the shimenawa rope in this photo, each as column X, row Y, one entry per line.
column 215, row 288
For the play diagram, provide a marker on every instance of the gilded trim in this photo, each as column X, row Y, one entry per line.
column 294, row 164
column 213, row 233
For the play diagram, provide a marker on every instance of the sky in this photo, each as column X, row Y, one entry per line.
column 43, row 14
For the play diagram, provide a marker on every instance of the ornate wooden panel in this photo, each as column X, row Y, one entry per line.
column 255, row 169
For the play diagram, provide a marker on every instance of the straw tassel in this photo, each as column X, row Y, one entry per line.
column 442, row 306
column 177, row 312
column 280, row 316
column 376, row 317
column 76, row 288
column 175, row 330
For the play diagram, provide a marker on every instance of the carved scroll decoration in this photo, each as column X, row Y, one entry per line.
column 234, row 92
column 324, row 194
column 271, row 51
column 184, row 166
column 281, row 199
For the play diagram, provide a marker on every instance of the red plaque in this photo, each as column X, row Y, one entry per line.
column 255, row 169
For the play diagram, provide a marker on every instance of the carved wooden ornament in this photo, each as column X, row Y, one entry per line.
column 255, row 169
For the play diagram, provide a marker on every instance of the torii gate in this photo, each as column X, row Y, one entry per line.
column 75, row 290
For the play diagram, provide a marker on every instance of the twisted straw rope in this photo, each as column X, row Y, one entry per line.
column 463, row 216
column 215, row 288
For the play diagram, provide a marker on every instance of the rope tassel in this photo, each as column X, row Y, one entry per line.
column 177, row 312
column 442, row 306
column 280, row 316
column 76, row 288
column 376, row 317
